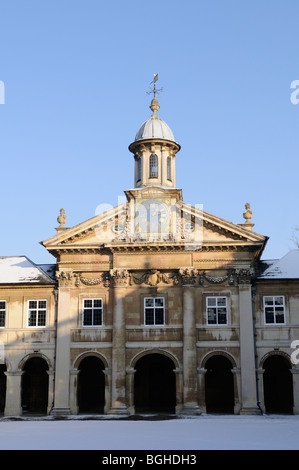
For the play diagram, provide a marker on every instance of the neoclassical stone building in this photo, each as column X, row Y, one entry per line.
column 152, row 306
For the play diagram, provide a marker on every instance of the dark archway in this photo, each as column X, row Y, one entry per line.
column 154, row 384
column 91, row 385
column 2, row 387
column 278, row 385
column 35, row 385
column 219, row 385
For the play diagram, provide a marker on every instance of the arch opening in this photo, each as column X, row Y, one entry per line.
column 35, row 385
column 219, row 385
column 154, row 384
column 278, row 385
column 91, row 386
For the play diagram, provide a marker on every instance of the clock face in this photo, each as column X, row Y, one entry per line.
column 152, row 216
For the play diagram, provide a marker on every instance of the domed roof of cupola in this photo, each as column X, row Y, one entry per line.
column 154, row 127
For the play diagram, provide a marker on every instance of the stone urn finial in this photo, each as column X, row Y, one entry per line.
column 61, row 219
column 247, row 216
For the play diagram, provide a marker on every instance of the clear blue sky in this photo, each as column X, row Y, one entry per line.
column 76, row 75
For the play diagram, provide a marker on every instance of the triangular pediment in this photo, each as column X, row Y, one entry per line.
column 188, row 225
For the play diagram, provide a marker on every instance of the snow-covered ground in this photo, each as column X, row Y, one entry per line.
column 194, row 433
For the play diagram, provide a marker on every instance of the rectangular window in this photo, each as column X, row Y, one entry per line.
column 274, row 309
column 154, row 311
column 92, row 312
column 2, row 313
column 217, row 310
column 37, row 312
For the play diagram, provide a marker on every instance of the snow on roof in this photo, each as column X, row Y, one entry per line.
column 285, row 268
column 19, row 269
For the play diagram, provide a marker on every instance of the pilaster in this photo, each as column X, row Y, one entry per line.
column 190, row 391
column 120, row 278
column 13, row 393
column 247, row 350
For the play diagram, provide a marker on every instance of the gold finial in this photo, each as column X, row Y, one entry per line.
column 154, row 104
column 61, row 219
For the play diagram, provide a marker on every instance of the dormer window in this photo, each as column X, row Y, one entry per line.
column 153, row 166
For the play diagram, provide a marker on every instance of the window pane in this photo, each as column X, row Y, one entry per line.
column 221, row 301
column 2, row 305
column 278, row 300
column 159, row 316
column 87, row 317
column 97, row 317
column 279, row 314
column 149, row 302
column 222, row 316
column 88, row 303
column 2, row 318
column 159, row 302
column 268, row 300
column 32, row 318
column 269, row 311
column 212, row 316
column 97, row 303
column 42, row 304
column 212, row 301
column 32, row 304
column 149, row 316
column 41, row 318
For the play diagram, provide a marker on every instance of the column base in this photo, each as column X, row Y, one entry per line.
column 250, row 410
column 119, row 410
column 61, row 411
column 190, row 410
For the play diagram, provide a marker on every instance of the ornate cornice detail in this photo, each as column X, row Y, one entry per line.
column 64, row 278
column 102, row 280
column 120, row 277
column 244, row 275
column 188, row 276
column 154, row 277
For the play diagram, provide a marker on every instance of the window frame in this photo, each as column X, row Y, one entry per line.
column 217, row 307
column 153, row 163
column 154, row 307
column 168, row 168
column 139, row 170
column 274, row 309
column 1, row 311
column 37, row 309
column 92, row 299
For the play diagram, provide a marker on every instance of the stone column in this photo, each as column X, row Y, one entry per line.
column 237, row 390
column 295, row 373
column 74, row 373
column 63, row 344
column 130, row 389
column 190, row 391
column 13, row 393
column 50, row 390
column 118, row 372
column 247, row 350
column 201, row 389
column 261, row 388
column 179, row 389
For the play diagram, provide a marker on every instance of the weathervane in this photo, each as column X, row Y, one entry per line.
column 154, row 90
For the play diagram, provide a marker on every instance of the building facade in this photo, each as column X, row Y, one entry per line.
column 153, row 306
